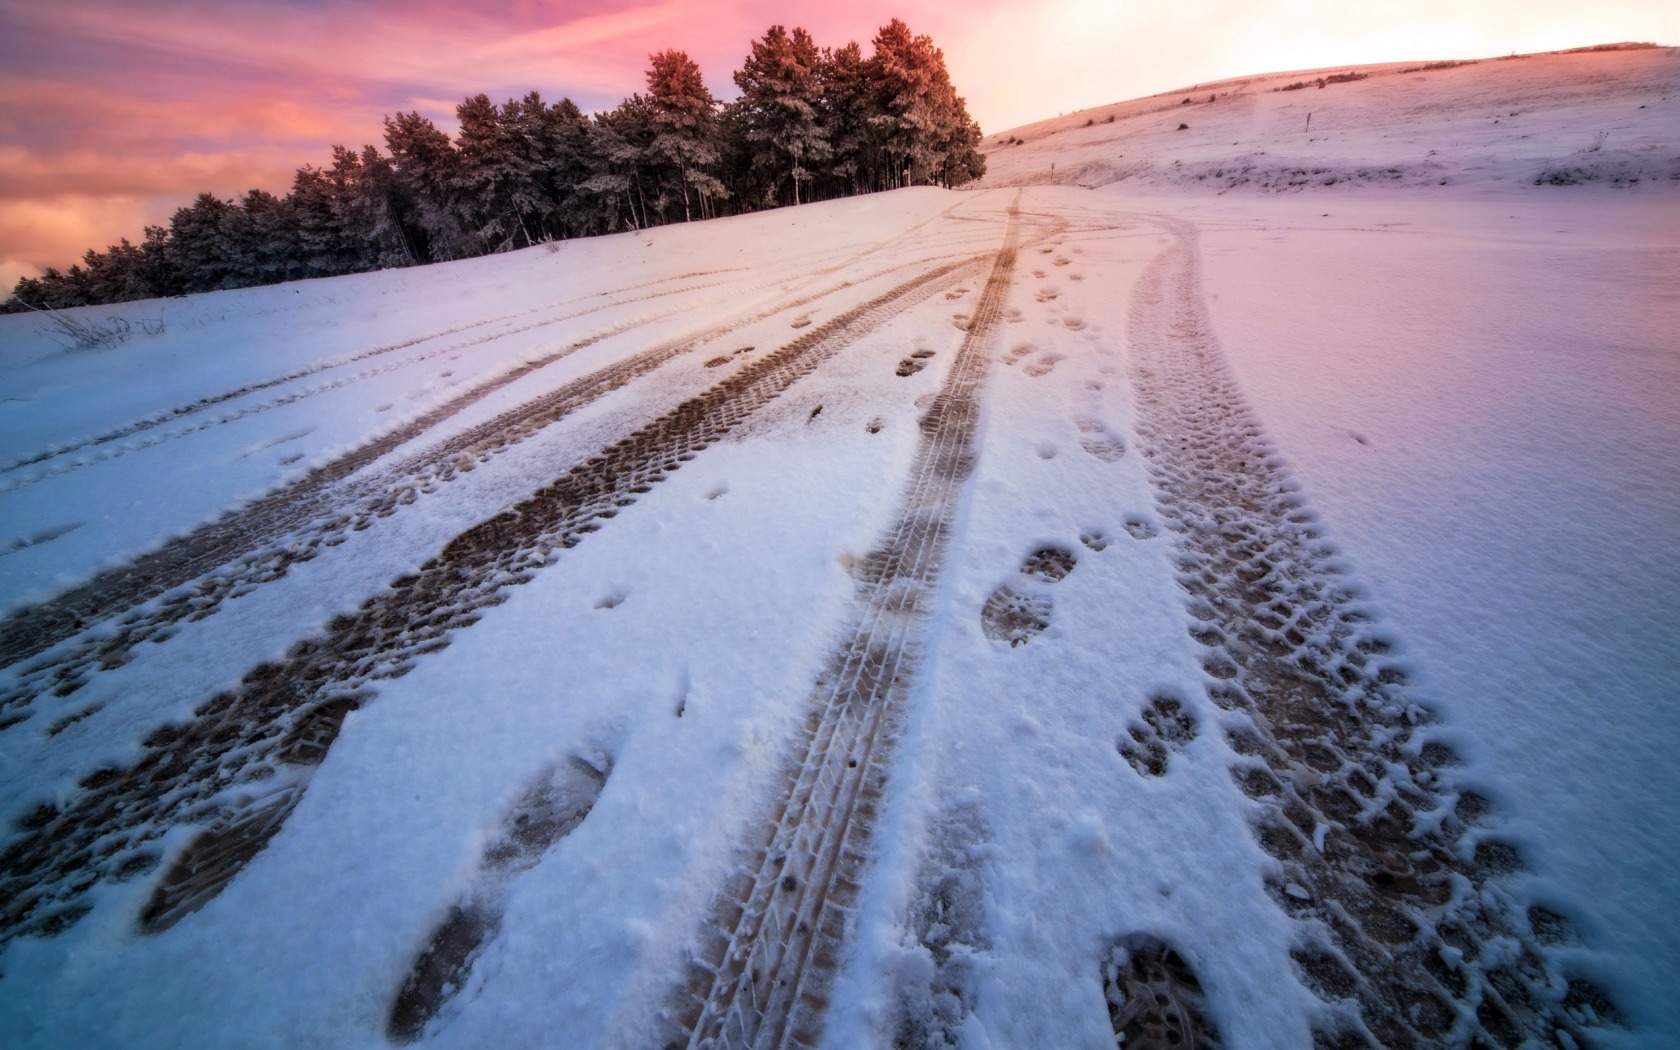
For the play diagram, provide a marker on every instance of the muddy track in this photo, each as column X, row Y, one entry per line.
column 761, row 972
column 244, row 761
column 190, row 428
column 1405, row 928
column 259, row 542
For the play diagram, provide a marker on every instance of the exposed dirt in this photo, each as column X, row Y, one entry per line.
column 1154, row 999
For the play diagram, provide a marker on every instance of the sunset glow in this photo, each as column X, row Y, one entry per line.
column 114, row 114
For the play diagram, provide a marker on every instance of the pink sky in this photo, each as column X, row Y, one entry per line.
column 115, row 112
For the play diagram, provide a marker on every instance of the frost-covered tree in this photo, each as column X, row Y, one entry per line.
column 810, row 123
column 919, row 120
column 202, row 240
column 683, row 117
column 779, row 104
column 844, row 97
column 425, row 166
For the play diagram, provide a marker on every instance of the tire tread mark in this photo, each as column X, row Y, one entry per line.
column 311, row 512
column 765, row 961
column 1405, row 928
column 255, row 747
column 179, row 412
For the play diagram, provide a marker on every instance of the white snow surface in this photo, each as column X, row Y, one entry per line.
column 1475, row 384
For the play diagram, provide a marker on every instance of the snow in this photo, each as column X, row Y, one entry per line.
column 1472, row 384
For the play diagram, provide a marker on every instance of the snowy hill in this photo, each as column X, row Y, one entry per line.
column 1013, row 618
column 1592, row 116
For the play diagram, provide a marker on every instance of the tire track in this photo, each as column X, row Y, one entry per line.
column 294, row 397
column 1406, row 930
column 241, row 765
column 259, row 542
column 151, row 422
column 761, row 973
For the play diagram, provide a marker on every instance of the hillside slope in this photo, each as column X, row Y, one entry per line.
column 1028, row 617
column 1610, row 117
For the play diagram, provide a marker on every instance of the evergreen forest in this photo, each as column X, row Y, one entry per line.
column 811, row 123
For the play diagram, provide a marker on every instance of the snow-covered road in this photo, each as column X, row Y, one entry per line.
column 1012, row 618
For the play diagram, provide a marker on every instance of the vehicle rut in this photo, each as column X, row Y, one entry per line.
column 180, row 412
column 1405, row 929
column 246, row 758
column 759, row 976
column 259, row 542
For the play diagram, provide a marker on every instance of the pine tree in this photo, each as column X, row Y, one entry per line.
column 202, row 241
column 780, row 95
column 683, row 115
column 809, row 123
column 844, row 99
column 426, row 166
column 323, row 247
column 920, row 122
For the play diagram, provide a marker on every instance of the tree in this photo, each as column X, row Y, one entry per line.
column 202, row 241
column 811, row 122
column 426, row 167
column 844, row 94
column 780, row 96
column 683, row 116
column 920, row 121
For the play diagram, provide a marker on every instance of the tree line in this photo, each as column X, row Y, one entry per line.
column 810, row 124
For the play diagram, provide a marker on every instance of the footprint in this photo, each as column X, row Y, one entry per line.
column 1047, row 451
column 960, row 321
column 1050, row 564
column 802, row 321
column 875, row 425
column 1095, row 539
column 1039, row 274
column 1019, row 351
column 1073, row 323
column 1047, row 294
column 1013, row 315
column 1076, row 277
column 1140, row 528
column 958, row 294
column 715, row 491
column 1043, row 365
column 1018, row 611
column 1009, row 616
column 1062, row 262
column 914, row 363
column 1096, row 439
column 611, row 600
column 1154, row 998
column 1166, row 727
column 555, row 805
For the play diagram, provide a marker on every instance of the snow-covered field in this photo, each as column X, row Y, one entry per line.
column 930, row 619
